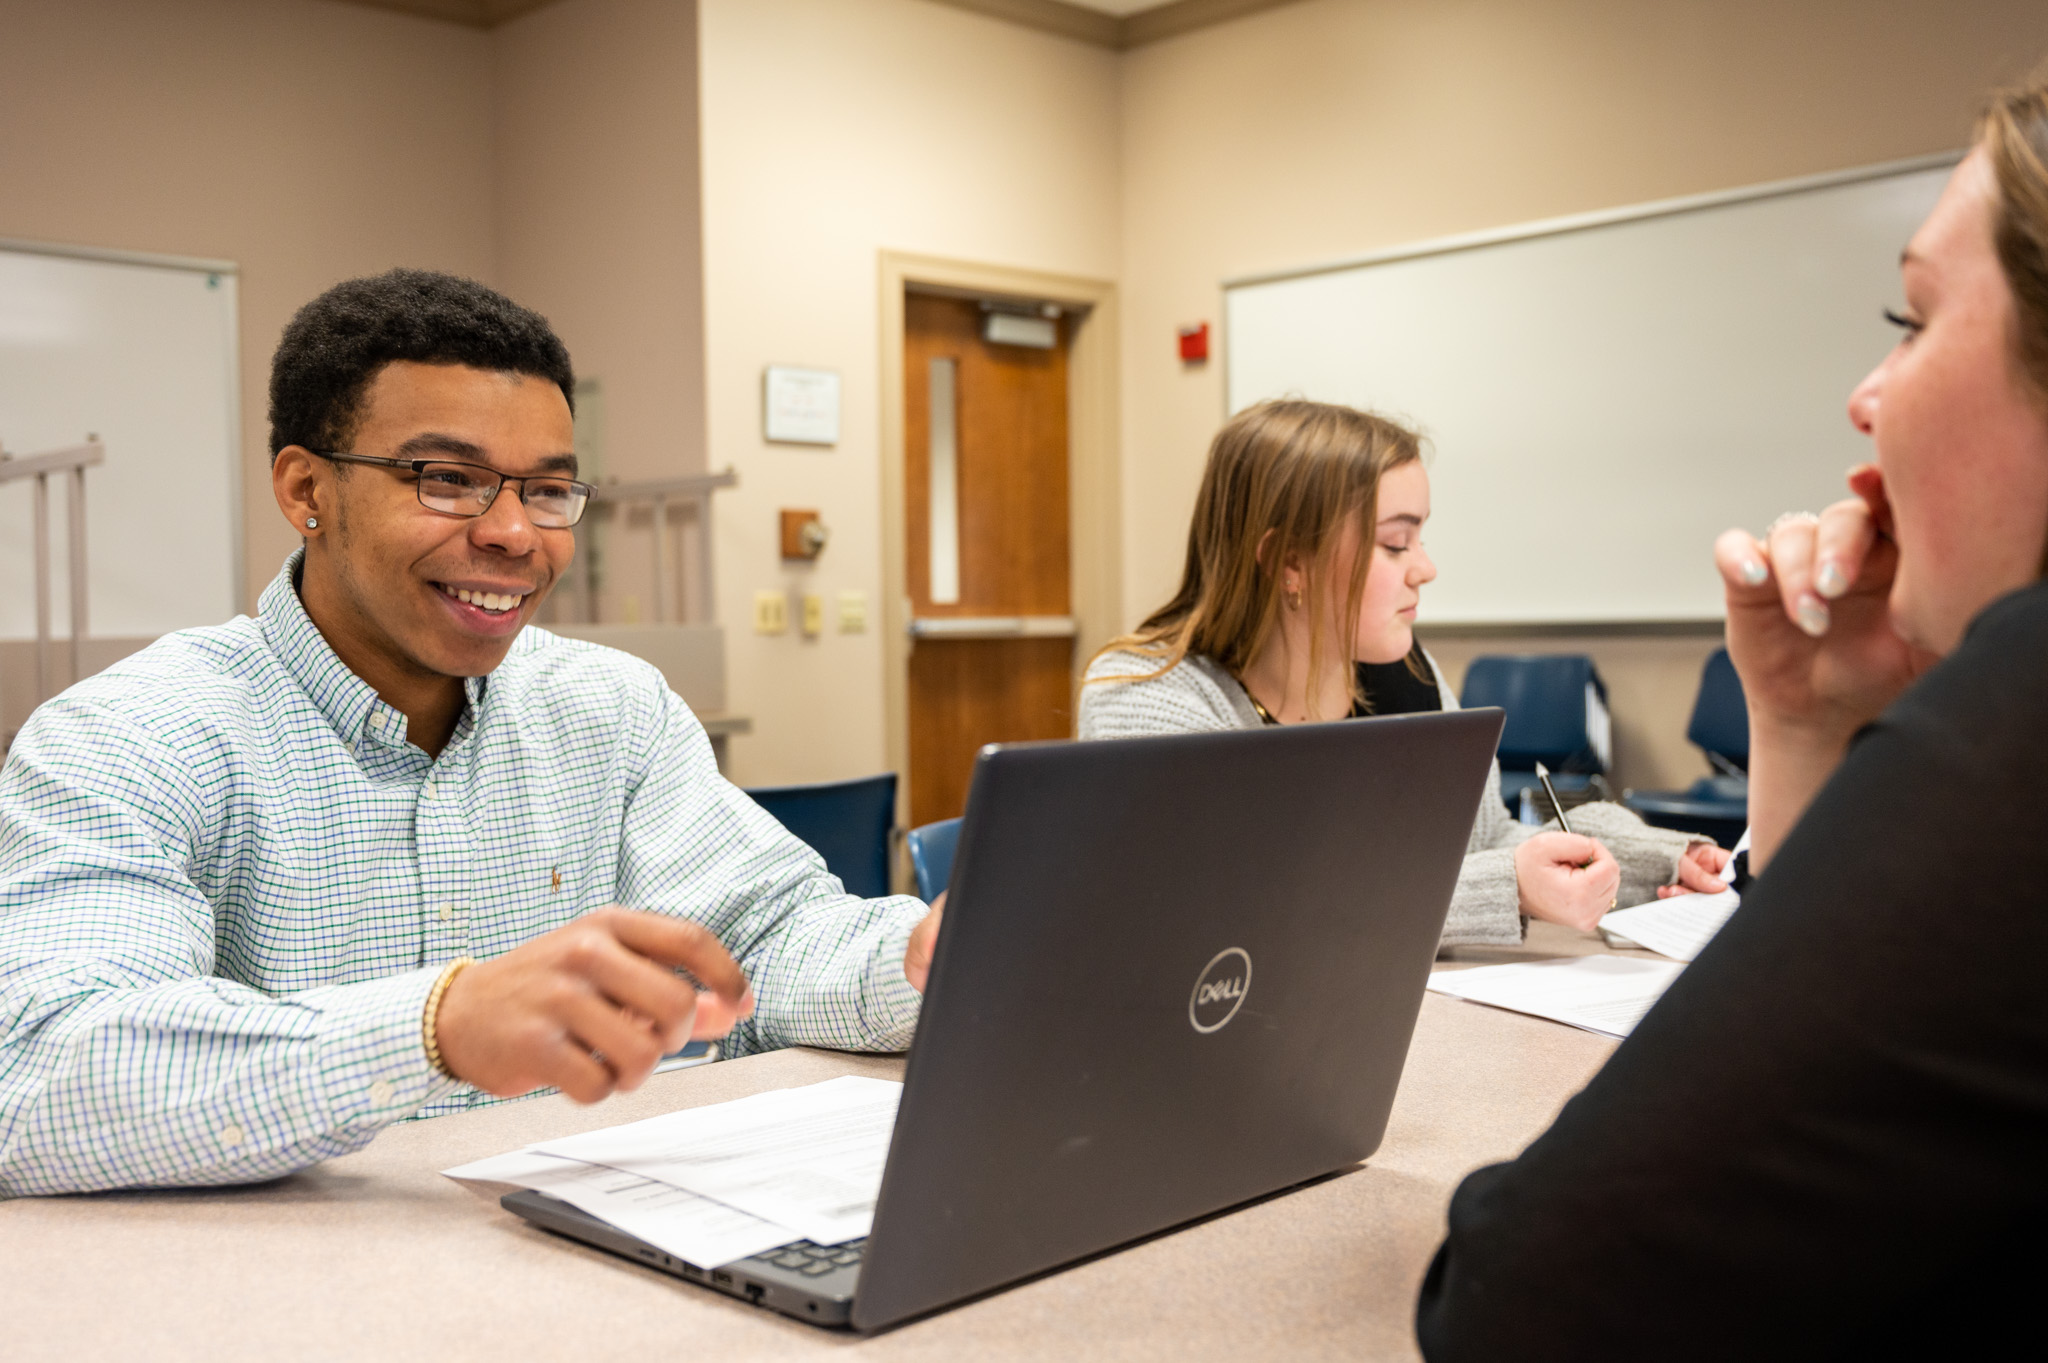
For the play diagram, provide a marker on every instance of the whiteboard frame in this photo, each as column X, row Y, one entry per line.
column 1559, row 226
column 1605, row 217
column 231, row 278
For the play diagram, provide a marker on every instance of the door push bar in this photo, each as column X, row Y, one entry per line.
column 992, row 627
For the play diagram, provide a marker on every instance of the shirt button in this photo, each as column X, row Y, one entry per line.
column 447, row 912
column 380, row 1093
column 231, row 1135
column 427, row 790
column 379, row 720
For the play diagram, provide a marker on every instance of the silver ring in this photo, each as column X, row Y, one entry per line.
column 1791, row 518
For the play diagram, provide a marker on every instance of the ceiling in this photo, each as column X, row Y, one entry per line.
column 474, row 13
column 1120, row 8
column 1106, row 23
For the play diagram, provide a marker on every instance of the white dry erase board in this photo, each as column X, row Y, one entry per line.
column 141, row 352
column 1605, row 394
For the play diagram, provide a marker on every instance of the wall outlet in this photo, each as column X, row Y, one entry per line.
column 813, row 619
column 853, row 612
column 771, row 612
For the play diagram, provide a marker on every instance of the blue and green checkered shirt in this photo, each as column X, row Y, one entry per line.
column 227, row 883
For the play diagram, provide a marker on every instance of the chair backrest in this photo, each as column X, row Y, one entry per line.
column 1550, row 699
column 846, row 822
column 1720, row 716
column 931, row 856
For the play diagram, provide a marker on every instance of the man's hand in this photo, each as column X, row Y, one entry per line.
column 1565, row 878
column 924, row 939
column 1702, row 870
column 590, row 1007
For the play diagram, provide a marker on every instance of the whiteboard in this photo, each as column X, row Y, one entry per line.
column 1605, row 394
column 141, row 352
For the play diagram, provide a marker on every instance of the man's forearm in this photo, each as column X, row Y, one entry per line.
column 834, row 978
column 202, row 1081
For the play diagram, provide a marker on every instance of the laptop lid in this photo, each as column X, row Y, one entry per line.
column 1176, row 974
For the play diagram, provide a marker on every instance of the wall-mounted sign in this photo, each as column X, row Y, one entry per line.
column 801, row 406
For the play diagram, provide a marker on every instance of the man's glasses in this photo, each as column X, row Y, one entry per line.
column 469, row 489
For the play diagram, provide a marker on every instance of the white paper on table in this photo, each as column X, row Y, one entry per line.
column 808, row 1158
column 708, row 1234
column 1679, row 927
column 1603, row 994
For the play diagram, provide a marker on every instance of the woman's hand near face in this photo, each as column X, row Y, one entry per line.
column 1809, row 620
column 1564, row 878
column 1810, row 632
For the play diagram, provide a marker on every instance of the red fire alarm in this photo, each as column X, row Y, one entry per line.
column 1194, row 343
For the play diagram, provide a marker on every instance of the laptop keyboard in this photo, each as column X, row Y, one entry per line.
column 813, row 1261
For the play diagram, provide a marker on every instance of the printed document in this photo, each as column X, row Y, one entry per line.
column 706, row 1233
column 807, row 1158
column 1679, row 927
column 1603, row 994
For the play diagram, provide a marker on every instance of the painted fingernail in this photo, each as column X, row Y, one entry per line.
column 1754, row 573
column 1831, row 581
column 1812, row 615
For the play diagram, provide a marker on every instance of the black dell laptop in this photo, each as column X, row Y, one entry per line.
column 1176, row 975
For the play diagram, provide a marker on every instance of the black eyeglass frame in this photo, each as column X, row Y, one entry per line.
column 588, row 491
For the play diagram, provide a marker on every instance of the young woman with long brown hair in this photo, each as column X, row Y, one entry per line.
column 1826, row 1141
column 1305, row 565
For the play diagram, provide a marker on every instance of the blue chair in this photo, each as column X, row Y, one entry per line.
column 1715, row 805
column 846, row 822
column 931, row 856
column 1556, row 707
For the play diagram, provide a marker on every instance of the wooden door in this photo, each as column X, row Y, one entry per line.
column 992, row 650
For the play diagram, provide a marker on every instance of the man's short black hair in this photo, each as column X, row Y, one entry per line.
column 336, row 344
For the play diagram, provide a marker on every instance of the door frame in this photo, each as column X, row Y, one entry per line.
column 1094, row 463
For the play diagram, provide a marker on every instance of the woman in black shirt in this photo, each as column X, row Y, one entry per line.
column 1830, row 1139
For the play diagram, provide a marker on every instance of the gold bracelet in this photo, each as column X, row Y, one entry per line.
column 430, row 1016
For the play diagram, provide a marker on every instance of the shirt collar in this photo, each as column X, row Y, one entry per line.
column 345, row 700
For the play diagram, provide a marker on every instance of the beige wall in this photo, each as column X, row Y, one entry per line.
column 556, row 157
column 1331, row 127
column 304, row 140
column 833, row 131
column 598, row 228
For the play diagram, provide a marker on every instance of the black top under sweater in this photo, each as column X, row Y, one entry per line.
column 1407, row 687
column 1830, row 1138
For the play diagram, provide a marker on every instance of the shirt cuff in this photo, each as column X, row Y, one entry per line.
column 889, row 1004
column 372, row 1054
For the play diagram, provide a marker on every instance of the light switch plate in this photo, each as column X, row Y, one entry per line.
column 771, row 612
column 813, row 615
column 853, row 612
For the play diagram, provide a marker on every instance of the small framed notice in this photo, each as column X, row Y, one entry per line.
column 801, row 406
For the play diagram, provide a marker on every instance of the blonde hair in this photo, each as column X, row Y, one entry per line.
column 1283, row 480
column 2013, row 131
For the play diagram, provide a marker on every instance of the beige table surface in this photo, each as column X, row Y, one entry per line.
column 376, row 1256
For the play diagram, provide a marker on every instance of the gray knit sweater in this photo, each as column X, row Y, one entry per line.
column 1198, row 696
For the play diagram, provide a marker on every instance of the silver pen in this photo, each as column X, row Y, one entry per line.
column 1543, row 775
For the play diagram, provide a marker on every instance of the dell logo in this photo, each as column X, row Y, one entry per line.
column 1220, row 990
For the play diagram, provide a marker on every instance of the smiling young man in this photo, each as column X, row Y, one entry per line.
column 268, row 887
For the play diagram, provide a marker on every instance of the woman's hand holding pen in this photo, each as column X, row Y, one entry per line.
column 1566, row 878
column 1810, row 632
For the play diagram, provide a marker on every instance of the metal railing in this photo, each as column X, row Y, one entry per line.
column 74, row 461
column 661, row 494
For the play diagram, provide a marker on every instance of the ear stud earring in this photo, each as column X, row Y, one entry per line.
column 312, row 522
